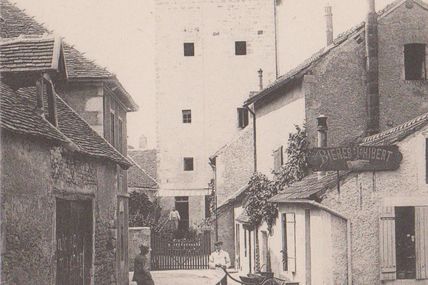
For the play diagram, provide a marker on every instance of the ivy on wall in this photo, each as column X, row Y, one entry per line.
column 142, row 211
column 261, row 188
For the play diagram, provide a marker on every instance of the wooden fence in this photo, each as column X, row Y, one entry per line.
column 180, row 253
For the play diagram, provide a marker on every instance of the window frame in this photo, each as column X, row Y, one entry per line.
column 186, row 166
column 409, row 51
column 240, row 48
column 188, row 49
column 186, row 115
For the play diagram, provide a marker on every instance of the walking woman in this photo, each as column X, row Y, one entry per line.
column 141, row 268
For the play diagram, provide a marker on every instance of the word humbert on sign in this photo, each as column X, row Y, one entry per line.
column 358, row 158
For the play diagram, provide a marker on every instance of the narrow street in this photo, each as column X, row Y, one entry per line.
column 185, row 277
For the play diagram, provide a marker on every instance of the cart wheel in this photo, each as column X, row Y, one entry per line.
column 270, row 281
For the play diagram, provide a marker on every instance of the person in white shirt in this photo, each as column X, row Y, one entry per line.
column 174, row 216
column 219, row 258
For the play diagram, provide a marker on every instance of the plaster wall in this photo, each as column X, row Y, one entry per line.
column 213, row 83
column 275, row 119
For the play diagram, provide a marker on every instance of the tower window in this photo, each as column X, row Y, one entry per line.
column 414, row 62
column 242, row 117
column 189, row 49
column 188, row 163
column 241, row 48
column 187, row 116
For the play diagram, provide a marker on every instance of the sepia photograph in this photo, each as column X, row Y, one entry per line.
column 214, row 142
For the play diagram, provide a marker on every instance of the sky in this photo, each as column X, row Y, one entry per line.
column 119, row 35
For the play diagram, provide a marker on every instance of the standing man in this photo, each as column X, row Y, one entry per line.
column 174, row 216
column 219, row 258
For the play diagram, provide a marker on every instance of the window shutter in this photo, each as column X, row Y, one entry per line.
column 277, row 159
column 387, row 244
column 421, row 242
column 291, row 242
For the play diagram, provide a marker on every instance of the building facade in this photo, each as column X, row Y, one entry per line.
column 207, row 57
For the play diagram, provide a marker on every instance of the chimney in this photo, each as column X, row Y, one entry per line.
column 322, row 137
column 328, row 24
column 372, row 80
column 260, row 71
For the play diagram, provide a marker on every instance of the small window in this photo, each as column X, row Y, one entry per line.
column 189, row 49
column 278, row 159
column 112, row 132
column 187, row 116
column 242, row 117
column 414, row 62
column 240, row 48
column 188, row 164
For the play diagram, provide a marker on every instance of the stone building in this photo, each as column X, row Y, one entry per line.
column 360, row 93
column 367, row 80
column 95, row 95
column 381, row 236
column 207, row 57
column 63, row 219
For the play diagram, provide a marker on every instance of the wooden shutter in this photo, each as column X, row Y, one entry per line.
column 277, row 159
column 291, row 241
column 421, row 242
column 387, row 244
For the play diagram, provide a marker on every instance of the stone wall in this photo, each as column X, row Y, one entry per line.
column 33, row 175
column 137, row 236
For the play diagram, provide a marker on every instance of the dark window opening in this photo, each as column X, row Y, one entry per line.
column 242, row 117
column 405, row 242
column 284, row 243
column 414, row 62
column 278, row 159
column 207, row 206
column 188, row 164
column 112, row 132
column 241, row 48
column 120, row 136
column 189, row 49
column 187, row 116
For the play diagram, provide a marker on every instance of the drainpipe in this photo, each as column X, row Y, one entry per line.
column 322, row 137
column 329, row 24
column 372, row 81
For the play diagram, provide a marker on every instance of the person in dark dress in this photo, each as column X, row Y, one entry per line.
column 141, row 268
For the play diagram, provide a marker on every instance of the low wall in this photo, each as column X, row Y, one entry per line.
column 137, row 236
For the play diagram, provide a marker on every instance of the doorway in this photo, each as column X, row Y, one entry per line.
column 182, row 206
column 74, row 241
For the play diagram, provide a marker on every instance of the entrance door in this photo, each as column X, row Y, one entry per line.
column 74, row 242
column 182, row 206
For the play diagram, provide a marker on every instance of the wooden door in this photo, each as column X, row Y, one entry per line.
column 74, row 242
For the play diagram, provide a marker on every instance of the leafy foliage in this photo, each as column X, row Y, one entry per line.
column 261, row 188
column 142, row 211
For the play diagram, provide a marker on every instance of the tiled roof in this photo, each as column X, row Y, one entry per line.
column 397, row 133
column 16, row 23
column 308, row 187
column 298, row 72
column 143, row 173
column 28, row 54
column 18, row 115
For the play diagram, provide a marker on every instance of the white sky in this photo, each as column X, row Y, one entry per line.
column 119, row 34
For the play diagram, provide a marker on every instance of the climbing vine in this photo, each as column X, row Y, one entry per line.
column 261, row 188
column 142, row 211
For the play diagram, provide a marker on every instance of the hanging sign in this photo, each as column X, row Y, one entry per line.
column 357, row 158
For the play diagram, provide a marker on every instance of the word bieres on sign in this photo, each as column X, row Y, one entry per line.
column 357, row 158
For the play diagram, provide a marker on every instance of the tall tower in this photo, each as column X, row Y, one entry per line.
column 208, row 53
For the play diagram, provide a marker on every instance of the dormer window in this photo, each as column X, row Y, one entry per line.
column 415, row 66
column 46, row 94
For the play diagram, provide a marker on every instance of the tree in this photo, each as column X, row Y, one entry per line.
column 142, row 211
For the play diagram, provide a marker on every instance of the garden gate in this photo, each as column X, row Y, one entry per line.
column 174, row 254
